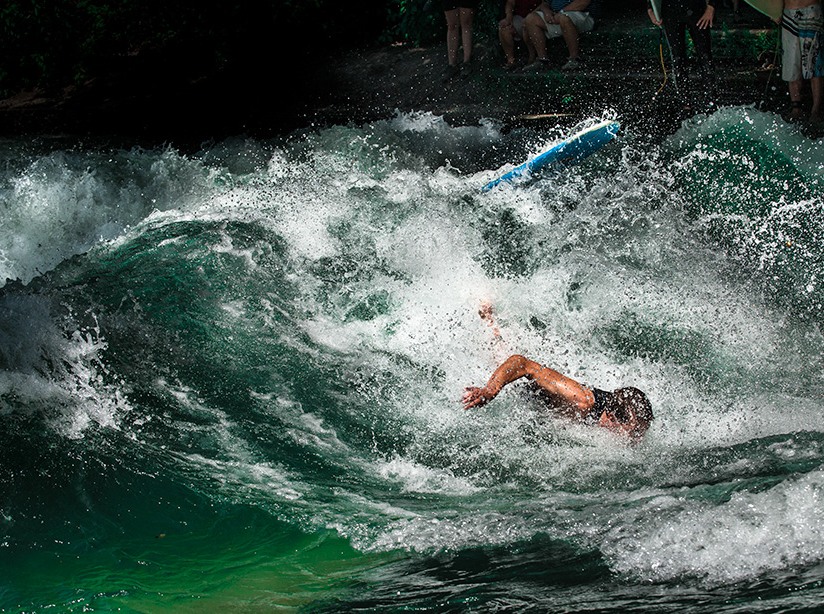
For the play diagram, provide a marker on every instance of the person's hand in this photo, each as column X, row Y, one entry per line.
column 653, row 19
column 706, row 19
column 476, row 397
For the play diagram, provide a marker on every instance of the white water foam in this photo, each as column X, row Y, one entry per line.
column 753, row 533
column 610, row 258
column 62, row 204
column 57, row 375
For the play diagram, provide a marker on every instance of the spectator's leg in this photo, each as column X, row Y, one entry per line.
column 676, row 37
column 535, row 35
column 466, row 17
column 453, row 36
column 570, row 34
column 791, row 65
column 702, row 42
column 506, row 34
column 702, row 39
column 796, row 109
column 817, row 87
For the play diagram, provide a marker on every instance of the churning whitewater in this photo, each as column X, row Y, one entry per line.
column 232, row 378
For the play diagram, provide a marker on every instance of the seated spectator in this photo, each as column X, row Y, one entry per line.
column 553, row 19
column 511, row 28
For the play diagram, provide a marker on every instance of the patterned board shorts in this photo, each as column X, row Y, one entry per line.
column 802, row 38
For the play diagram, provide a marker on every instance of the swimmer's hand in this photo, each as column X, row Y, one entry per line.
column 485, row 311
column 476, row 397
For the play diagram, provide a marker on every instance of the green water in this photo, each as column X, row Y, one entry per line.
column 231, row 380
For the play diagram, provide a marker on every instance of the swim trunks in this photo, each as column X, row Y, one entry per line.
column 801, row 38
column 602, row 403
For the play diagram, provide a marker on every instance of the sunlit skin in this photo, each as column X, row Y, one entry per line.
column 565, row 395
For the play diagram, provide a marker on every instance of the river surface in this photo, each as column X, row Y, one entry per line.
column 230, row 379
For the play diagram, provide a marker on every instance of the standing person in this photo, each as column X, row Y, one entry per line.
column 459, row 16
column 802, row 23
column 553, row 19
column 625, row 411
column 511, row 29
column 681, row 16
column 735, row 5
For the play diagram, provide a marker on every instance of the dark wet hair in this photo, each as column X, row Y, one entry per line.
column 627, row 403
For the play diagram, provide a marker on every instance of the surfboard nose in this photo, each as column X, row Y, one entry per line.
column 569, row 151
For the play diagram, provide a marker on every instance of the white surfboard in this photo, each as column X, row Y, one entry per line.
column 771, row 8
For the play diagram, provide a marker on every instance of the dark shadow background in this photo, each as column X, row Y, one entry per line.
column 179, row 69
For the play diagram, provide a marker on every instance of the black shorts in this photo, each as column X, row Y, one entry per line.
column 451, row 5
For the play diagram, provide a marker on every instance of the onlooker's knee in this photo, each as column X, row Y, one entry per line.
column 566, row 23
column 533, row 19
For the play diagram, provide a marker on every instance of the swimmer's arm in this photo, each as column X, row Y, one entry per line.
column 566, row 391
column 513, row 368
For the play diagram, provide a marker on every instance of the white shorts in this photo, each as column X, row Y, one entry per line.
column 518, row 24
column 580, row 19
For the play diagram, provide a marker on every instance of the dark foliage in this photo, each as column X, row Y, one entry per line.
column 54, row 43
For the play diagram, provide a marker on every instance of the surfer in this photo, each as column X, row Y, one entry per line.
column 802, row 23
column 625, row 411
column 678, row 17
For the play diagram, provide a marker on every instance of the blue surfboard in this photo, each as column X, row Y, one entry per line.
column 570, row 150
